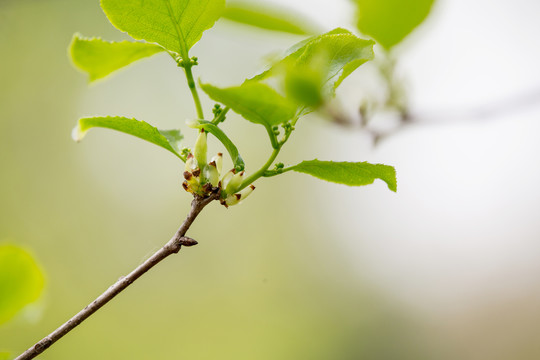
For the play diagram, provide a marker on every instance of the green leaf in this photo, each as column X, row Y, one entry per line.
column 167, row 139
column 269, row 18
column 224, row 139
column 304, row 86
column 174, row 24
column 4, row 355
column 348, row 173
column 256, row 102
column 344, row 52
column 99, row 58
column 305, row 83
column 21, row 281
column 390, row 21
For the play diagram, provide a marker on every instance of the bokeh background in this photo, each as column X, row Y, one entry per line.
column 447, row 268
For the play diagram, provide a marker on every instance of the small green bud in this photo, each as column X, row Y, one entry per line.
column 212, row 174
column 231, row 200
column 235, row 199
column 192, row 176
column 227, row 178
column 201, row 147
column 185, row 151
column 216, row 110
column 234, row 183
column 179, row 61
column 244, row 193
column 288, row 128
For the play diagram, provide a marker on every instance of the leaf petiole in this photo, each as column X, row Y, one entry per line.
column 251, row 179
column 224, row 139
column 187, row 64
column 273, row 138
column 263, row 171
column 193, row 89
column 271, row 173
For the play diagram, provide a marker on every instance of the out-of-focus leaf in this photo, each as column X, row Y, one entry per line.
column 344, row 53
column 21, row 280
column 305, row 83
column 224, row 139
column 349, row 173
column 167, row 139
column 304, row 86
column 99, row 58
column 390, row 21
column 256, row 102
column 269, row 18
column 174, row 24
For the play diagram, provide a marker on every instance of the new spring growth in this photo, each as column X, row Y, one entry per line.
column 201, row 148
column 203, row 178
column 194, row 61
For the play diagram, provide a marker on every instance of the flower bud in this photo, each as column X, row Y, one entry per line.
column 211, row 173
column 231, row 200
column 244, row 193
column 227, row 178
column 234, row 199
column 234, row 183
column 201, row 148
column 219, row 161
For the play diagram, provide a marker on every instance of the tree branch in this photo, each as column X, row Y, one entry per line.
column 171, row 247
column 405, row 117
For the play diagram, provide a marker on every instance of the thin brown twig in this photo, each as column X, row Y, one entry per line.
column 493, row 110
column 171, row 247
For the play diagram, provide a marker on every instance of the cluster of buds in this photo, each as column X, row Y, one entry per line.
column 204, row 179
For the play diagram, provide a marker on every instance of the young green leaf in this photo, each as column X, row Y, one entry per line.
column 344, row 52
column 269, row 18
column 306, row 83
column 304, row 86
column 99, row 58
column 21, row 281
column 390, row 21
column 348, row 173
column 174, row 24
column 167, row 139
column 224, row 139
column 256, row 102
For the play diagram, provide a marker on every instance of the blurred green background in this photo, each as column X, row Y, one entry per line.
column 274, row 278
